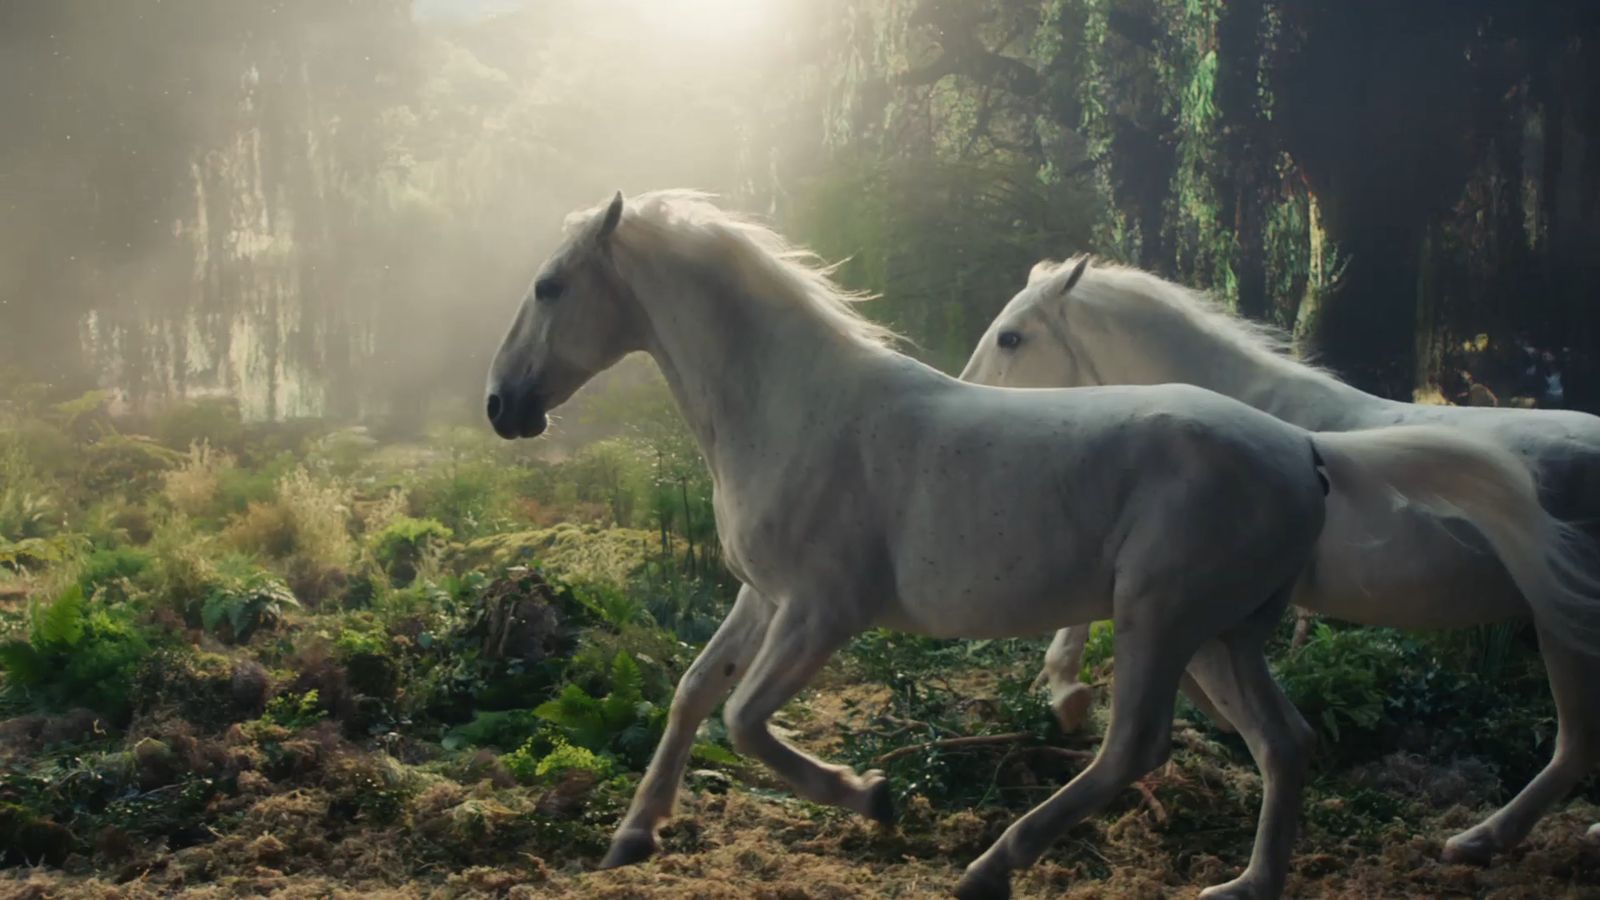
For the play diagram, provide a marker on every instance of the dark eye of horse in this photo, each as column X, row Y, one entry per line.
column 547, row 289
column 1008, row 340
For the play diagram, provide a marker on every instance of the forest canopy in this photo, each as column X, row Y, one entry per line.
column 329, row 208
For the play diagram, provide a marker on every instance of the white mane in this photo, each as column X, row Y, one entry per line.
column 760, row 259
column 1127, row 288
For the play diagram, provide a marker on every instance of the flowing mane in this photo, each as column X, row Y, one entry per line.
column 760, row 258
column 1127, row 287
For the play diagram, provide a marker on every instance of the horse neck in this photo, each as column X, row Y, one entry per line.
column 753, row 376
column 1285, row 389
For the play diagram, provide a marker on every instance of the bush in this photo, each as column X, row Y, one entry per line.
column 1341, row 679
column 305, row 530
column 528, row 765
column 244, row 600
column 404, row 543
column 124, row 465
column 114, row 570
column 192, row 488
column 214, row 421
column 622, row 723
column 76, row 653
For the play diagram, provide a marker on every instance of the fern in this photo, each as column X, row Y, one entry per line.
column 59, row 624
column 23, row 666
column 622, row 721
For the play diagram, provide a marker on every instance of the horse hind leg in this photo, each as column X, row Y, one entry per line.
column 1234, row 671
column 1572, row 677
column 1071, row 699
column 1148, row 660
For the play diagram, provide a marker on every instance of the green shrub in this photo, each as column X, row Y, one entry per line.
column 294, row 711
column 113, row 569
column 193, row 486
column 125, row 465
column 76, row 653
column 622, row 723
column 239, row 487
column 1341, row 679
column 528, row 765
column 244, row 600
column 503, row 729
column 402, row 545
column 214, row 420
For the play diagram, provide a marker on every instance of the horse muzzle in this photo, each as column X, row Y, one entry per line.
column 517, row 413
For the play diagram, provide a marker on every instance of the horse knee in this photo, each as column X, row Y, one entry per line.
column 1132, row 760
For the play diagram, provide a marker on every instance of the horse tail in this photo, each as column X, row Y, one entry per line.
column 1455, row 475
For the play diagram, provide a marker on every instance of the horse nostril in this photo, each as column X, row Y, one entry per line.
column 494, row 407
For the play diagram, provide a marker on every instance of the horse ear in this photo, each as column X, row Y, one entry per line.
column 612, row 217
column 1077, row 272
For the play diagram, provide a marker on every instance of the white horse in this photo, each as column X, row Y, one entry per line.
column 1120, row 325
column 856, row 487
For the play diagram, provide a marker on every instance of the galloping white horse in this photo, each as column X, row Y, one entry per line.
column 857, row 487
column 1120, row 325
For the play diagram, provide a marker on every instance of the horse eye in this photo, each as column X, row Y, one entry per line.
column 547, row 289
column 1008, row 340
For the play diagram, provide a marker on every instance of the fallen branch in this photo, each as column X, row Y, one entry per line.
column 980, row 740
column 977, row 740
column 1156, row 809
column 1067, row 752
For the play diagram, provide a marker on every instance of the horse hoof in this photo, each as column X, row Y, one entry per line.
column 880, row 800
column 628, row 848
column 1242, row 888
column 1593, row 833
column 978, row 884
column 1072, row 708
column 1471, row 848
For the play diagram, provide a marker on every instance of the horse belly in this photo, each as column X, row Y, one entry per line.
column 971, row 593
column 1405, row 570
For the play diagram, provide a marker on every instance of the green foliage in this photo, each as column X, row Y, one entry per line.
column 402, row 545
column 245, row 600
column 497, row 728
column 77, row 653
column 114, row 569
column 528, row 766
column 471, row 492
column 124, row 465
column 295, row 711
column 622, row 723
column 38, row 553
column 239, row 487
column 59, row 624
column 1340, row 679
column 212, row 420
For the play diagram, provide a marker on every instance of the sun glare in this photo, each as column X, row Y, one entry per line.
column 712, row 19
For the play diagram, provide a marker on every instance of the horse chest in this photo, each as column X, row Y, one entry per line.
column 778, row 537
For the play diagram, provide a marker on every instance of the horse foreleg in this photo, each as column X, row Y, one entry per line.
column 1137, row 741
column 1572, row 679
column 1070, row 699
column 1234, row 672
column 708, row 680
column 798, row 643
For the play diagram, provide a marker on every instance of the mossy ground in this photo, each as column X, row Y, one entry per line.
column 309, row 813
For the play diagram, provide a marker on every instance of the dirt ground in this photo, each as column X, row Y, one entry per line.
column 751, row 840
